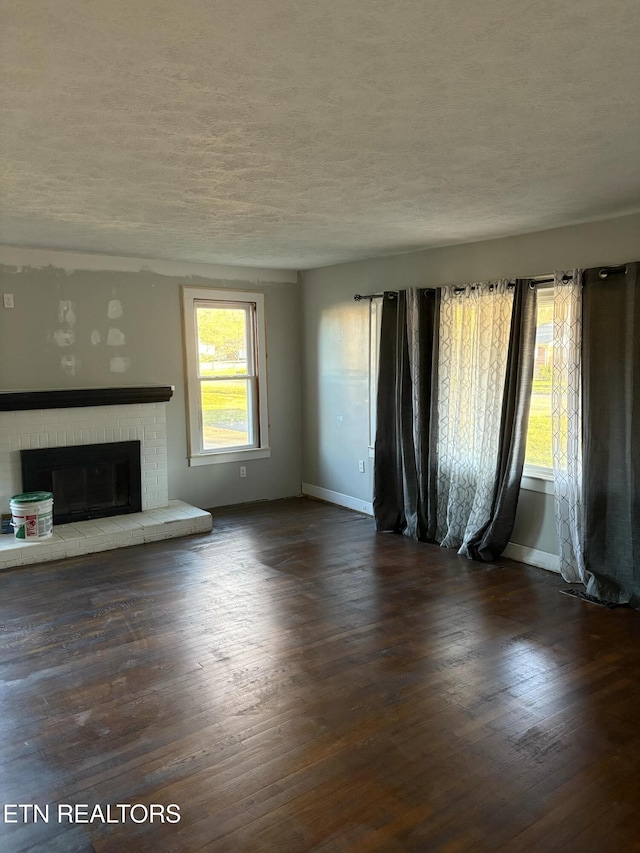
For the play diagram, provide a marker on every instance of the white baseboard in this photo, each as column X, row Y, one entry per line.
column 337, row 498
column 533, row 557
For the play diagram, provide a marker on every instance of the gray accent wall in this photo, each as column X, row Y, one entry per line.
column 75, row 327
column 335, row 405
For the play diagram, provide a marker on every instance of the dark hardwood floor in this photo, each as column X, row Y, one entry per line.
column 296, row 682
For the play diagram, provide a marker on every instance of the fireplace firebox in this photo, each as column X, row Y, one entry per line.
column 88, row 480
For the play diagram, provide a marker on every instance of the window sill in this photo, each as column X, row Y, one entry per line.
column 537, row 480
column 219, row 457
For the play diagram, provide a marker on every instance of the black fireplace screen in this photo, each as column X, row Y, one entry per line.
column 87, row 481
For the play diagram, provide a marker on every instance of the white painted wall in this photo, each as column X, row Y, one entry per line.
column 335, row 413
column 47, row 284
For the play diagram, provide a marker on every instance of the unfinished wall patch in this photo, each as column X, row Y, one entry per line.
column 64, row 337
column 70, row 364
column 114, row 309
column 119, row 364
column 66, row 312
column 115, row 338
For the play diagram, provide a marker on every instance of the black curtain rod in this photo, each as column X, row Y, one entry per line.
column 473, row 287
column 603, row 273
column 546, row 279
column 359, row 296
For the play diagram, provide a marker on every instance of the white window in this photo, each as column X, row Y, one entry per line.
column 226, row 375
column 538, row 460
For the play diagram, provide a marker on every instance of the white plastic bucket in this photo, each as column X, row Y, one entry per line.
column 32, row 515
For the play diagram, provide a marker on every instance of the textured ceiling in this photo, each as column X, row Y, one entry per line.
column 295, row 134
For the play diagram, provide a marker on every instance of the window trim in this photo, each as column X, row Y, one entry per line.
column 196, row 453
column 536, row 479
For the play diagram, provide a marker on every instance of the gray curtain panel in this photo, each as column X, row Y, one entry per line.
column 404, row 474
column 491, row 540
column 611, row 434
column 405, row 471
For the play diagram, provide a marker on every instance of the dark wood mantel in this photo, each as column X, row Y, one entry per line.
column 73, row 398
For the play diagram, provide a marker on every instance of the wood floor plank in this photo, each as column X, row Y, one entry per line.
column 296, row 682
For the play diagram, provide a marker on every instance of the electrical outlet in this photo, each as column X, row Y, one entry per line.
column 243, row 472
column 7, row 299
column 361, row 465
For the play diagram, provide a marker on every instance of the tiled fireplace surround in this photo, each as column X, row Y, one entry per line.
column 29, row 428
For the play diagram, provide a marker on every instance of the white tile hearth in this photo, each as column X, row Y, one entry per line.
column 103, row 534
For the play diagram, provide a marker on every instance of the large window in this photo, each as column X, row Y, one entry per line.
column 538, row 461
column 226, row 375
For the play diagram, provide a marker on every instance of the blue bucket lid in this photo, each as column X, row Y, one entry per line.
column 32, row 497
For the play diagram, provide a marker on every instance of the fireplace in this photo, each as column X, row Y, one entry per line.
column 73, row 419
column 88, row 481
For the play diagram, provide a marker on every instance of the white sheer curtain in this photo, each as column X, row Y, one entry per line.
column 475, row 323
column 566, row 421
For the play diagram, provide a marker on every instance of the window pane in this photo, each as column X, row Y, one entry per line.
column 539, row 435
column 225, row 414
column 222, row 341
